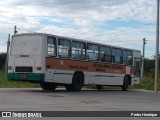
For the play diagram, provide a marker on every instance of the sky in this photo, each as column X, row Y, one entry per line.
column 121, row 23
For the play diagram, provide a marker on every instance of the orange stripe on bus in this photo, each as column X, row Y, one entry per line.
column 132, row 70
column 75, row 65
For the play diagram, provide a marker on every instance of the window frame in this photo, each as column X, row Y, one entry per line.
column 69, row 48
column 74, row 41
column 92, row 52
column 124, row 60
column 121, row 57
column 105, row 52
column 55, row 46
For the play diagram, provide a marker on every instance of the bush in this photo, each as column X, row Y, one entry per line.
column 2, row 60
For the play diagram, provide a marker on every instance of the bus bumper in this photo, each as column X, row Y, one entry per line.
column 37, row 77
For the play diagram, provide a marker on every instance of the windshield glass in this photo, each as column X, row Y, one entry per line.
column 26, row 45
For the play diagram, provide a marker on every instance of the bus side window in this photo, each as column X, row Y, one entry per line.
column 78, row 50
column 105, row 54
column 64, row 48
column 117, row 56
column 128, row 57
column 93, row 52
column 51, row 46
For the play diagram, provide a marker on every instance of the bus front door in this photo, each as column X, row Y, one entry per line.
column 137, row 73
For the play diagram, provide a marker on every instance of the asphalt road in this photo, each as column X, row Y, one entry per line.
column 34, row 99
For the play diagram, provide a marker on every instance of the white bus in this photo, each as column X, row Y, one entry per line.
column 56, row 60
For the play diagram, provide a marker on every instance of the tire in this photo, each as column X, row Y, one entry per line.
column 99, row 87
column 125, row 83
column 48, row 86
column 77, row 82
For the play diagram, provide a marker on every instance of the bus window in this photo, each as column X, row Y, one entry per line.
column 64, row 46
column 78, row 50
column 128, row 57
column 51, row 46
column 93, row 52
column 105, row 54
column 117, row 56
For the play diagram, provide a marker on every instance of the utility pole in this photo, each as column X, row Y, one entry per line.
column 157, row 52
column 143, row 57
column 15, row 30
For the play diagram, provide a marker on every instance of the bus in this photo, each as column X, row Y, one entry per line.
column 52, row 60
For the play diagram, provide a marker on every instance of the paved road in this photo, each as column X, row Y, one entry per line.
column 34, row 99
column 115, row 100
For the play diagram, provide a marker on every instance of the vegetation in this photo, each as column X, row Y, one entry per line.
column 2, row 60
column 147, row 81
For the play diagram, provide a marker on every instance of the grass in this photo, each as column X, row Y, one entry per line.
column 4, row 83
column 147, row 82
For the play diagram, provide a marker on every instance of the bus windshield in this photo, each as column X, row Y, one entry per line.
column 28, row 45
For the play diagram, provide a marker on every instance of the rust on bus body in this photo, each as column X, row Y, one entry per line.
column 76, row 65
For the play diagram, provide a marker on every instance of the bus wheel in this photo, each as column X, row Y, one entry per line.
column 125, row 83
column 48, row 86
column 77, row 82
column 99, row 87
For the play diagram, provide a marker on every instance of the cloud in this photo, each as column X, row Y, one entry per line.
column 87, row 19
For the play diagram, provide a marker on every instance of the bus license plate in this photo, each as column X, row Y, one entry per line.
column 22, row 76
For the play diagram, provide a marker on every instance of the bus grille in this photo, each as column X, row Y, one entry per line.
column 24, row 69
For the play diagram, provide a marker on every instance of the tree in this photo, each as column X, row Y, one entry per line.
column 2, row 60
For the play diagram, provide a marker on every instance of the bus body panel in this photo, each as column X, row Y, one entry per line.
column 91, row 78
column 95, row 73
column 27, row 58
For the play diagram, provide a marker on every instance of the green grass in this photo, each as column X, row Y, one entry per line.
column 147, row 82
column 4, row 83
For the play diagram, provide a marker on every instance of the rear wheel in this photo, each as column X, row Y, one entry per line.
column 125, row 83
column 77, row 83
column 48, row 86
column 99, row 87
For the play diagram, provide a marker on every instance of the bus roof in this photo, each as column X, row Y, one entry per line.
column 81, row 40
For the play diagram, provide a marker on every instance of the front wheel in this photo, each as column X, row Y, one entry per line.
column 48, row 86
column 125, row 83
